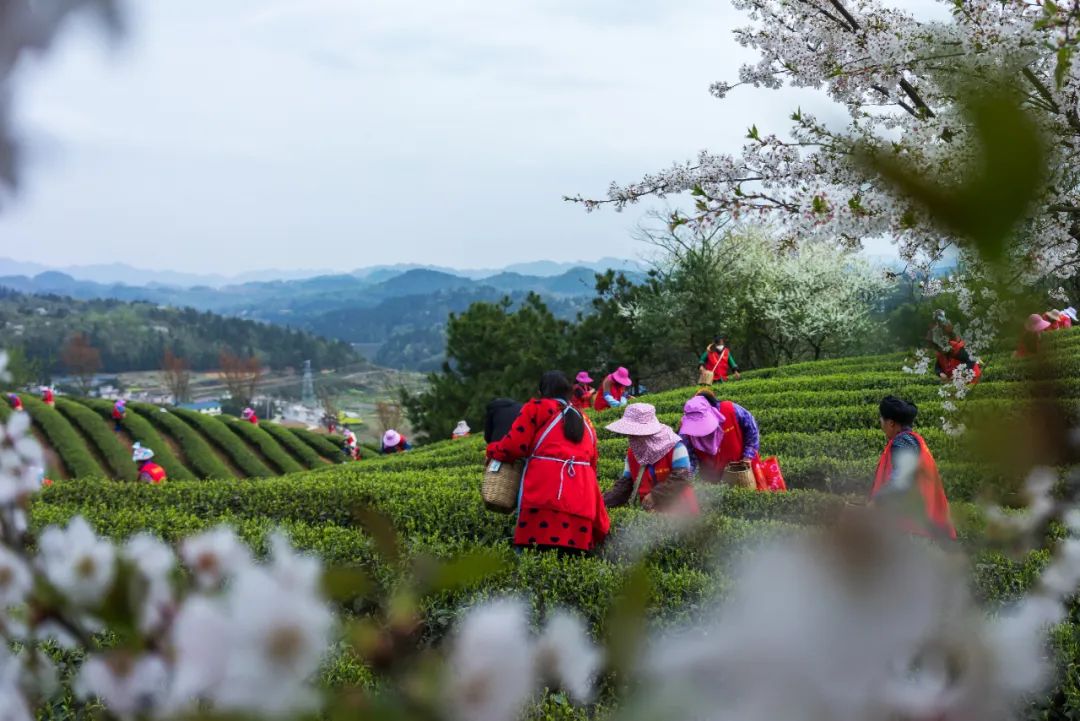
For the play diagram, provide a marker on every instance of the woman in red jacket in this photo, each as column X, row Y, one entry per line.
column 561, row 505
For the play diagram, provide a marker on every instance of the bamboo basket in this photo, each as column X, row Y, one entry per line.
column 502, row 482
column 740, row 475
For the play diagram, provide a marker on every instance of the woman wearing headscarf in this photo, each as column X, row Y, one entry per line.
column 560, row 504
column 906, row 467
column 657, row 467
column 718, row 435
column 149, row 472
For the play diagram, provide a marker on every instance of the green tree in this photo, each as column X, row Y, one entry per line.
column 492, row 350
column 24, row 370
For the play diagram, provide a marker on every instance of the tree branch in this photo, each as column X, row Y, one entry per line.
column 853, row 24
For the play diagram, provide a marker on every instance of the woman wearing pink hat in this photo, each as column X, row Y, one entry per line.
column 560, row 505
column 394, row 442
column 614, row 390
column 657, row 467
column 1029, row 340
column 583, row 392
column 718, row 435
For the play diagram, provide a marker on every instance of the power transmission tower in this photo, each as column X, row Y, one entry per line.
column 307, row 391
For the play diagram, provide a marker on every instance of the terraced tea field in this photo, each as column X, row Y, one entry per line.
column 819, row 418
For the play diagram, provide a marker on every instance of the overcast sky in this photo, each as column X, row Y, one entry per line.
column 249, row 134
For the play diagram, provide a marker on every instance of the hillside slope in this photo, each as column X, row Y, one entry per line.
column 819, row 418
column 133, row 336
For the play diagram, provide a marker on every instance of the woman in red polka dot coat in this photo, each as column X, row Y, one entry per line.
column 561, row 505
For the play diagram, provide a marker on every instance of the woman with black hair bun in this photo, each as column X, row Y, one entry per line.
column 907, row 467
column 561, row 505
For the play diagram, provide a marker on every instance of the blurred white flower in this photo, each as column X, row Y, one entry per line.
column 279, row 634
column 155, row 561
column 490, row 669
column 565, row 654
column 39, row 673
column 215, row 555
column 13, row 706
column 127, row 686
column 78, row 563
column 256, row 647
column 20, row 458
column 201, row 640
column 298, row 570
column 15, row 579
column 860, row 623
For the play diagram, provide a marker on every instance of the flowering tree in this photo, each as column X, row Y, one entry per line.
column 899, row 79
column 814, row 300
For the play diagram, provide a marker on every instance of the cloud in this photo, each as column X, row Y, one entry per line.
column 258, row 134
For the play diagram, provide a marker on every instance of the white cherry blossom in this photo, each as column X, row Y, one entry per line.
column 78, row 563
column 215, row 555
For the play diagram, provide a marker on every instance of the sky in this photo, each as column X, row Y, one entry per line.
column 235, row 136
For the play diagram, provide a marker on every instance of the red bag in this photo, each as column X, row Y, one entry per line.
column 767, row 474
column 758, row 468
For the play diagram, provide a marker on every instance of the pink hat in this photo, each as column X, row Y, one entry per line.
column 639, row 419
column 1036, row 323
column 621, row 376
column 391, row 438
column 699, row 418
column 583, row 377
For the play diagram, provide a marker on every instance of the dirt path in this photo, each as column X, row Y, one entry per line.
column 124, row 437
column 224, row 458
column 52, row 460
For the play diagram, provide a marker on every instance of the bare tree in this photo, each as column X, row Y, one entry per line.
column 389, row 415
column 177, row 376
column 330, row 410
column 240, row 375
column 82, row 359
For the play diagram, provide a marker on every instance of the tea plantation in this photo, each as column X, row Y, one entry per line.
column 820, row 419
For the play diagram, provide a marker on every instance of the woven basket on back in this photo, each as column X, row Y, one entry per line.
column 740, row 475
column 502, row 481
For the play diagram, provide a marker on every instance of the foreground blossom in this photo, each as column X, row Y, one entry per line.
column 257, row 646
column 491, row 667
column 128, row 687
column 215, row 555
column 888, row 615
column 78, row 563
column 566, row 656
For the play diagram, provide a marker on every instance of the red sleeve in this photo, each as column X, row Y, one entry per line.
column 518, row 442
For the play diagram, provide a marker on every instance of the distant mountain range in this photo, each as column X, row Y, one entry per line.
column 397, row 314
column 121, row 273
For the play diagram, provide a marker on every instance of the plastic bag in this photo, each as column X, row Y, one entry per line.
column 773, row 479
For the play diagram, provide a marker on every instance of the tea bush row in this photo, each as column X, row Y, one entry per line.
column 198, row 454
column 242, row 456
column 143, row 432
column 93, row 427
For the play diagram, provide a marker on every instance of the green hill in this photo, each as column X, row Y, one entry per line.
column 819, row 418
column 133, row 336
